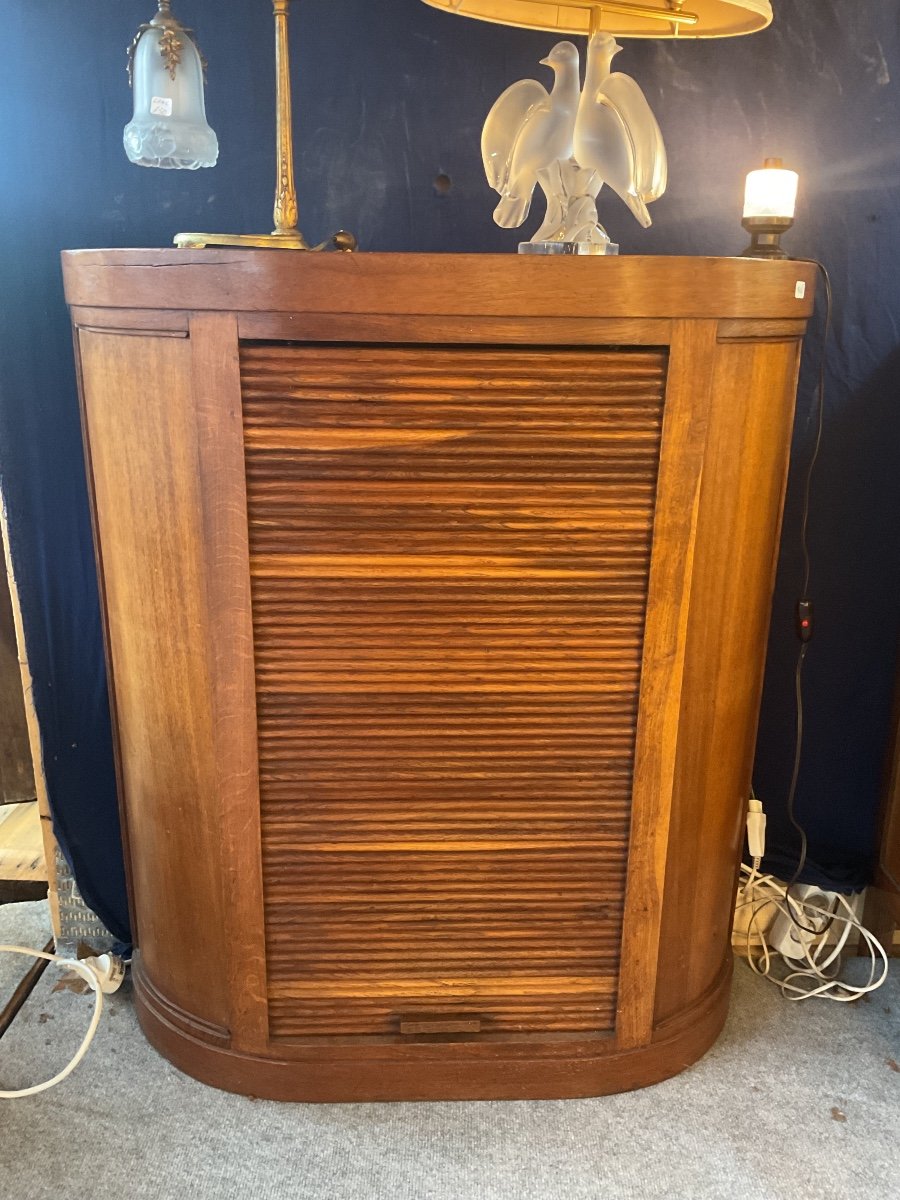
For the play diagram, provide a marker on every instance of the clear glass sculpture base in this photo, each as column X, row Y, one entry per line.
column 568, row 247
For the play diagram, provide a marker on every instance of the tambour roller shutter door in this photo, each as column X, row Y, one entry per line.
column 450, row 550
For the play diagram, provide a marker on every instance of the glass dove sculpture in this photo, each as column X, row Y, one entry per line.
column 571, row 141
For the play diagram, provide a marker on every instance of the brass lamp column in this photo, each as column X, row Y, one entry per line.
column 286, row 214
column 286, row 234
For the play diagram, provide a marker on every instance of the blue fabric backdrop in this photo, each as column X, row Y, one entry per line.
column 390, row 95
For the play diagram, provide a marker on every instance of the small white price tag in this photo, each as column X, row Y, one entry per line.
column 161, row 106
column 799, row 290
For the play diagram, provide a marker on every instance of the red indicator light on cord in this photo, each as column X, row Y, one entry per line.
column 804, row 620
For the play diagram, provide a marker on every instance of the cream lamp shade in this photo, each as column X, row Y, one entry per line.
column 642, row 18
column 771, row 191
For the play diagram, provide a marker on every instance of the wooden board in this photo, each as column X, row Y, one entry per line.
column 16, row 774
column 21, row 843
column 48, row 839
column 473, row 286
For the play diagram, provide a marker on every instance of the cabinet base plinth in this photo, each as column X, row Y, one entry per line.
column 335, row 1072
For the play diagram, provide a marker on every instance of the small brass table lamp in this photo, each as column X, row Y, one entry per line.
column 770, row 198
column 169, row 126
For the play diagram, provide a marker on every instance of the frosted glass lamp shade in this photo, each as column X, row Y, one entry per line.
column 169, row 127
column 770, row 197
column 771, row 192
column 636, row 18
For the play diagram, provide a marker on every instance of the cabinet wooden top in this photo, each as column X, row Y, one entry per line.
column 457, row 285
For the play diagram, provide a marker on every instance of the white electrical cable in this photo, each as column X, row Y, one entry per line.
column 93, row 979
column 808, row 976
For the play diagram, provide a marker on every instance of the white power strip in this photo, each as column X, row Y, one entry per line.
column 803, row 924
column 790, row 953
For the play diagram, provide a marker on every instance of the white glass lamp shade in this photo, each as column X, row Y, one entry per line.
column 169, row 127
column 771, row 192
column 621, row 18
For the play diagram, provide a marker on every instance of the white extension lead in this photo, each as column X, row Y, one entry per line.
column 102, row 974
column 822, row 931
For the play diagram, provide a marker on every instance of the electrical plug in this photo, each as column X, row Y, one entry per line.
column 109, row 970
column 756, row 828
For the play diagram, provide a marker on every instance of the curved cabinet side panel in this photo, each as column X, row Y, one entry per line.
column 745, row 468
column 140, row 427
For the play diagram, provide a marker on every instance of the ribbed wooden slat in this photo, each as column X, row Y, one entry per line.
column 449, row 555
column 341, row 822
column 497, row 1014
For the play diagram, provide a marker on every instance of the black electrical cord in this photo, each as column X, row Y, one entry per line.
column 804, row 548
column 820, row 418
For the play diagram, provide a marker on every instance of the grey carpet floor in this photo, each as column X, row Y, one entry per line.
column 794, row 1102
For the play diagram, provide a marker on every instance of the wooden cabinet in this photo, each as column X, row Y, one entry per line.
column 436, row 593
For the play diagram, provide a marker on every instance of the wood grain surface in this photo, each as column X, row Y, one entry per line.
column 738, row 525
column 474, row 286
column 688, row 400
column 21, row 843
column 141, row 424
column 216, row 386
column 436, row 592
column 449, row 554
column 16, row 772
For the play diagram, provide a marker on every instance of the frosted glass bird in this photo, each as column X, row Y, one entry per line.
column 527, row 131
column 616, row 133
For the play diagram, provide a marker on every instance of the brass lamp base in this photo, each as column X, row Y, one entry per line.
column 342, row 240
column 287, row 235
